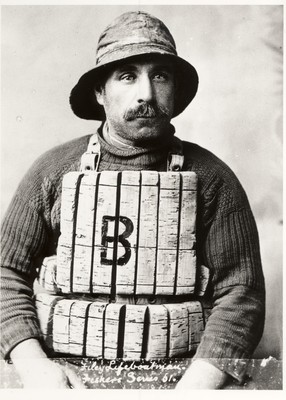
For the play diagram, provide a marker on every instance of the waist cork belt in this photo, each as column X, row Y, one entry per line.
column 92, row 328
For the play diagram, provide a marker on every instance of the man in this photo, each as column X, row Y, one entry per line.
column 138, row 85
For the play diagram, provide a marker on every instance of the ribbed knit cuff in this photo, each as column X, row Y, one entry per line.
column 223, row 355
column 16, row 331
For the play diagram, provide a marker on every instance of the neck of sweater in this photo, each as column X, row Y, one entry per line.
column 135, row 158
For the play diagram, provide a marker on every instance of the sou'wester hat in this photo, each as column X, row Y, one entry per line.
column 133, row 34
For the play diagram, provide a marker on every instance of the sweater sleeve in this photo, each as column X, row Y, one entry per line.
column 24, row 236
column 30, row 230
column 231, row 251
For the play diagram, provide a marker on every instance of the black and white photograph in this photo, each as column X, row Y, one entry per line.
column 141, row 197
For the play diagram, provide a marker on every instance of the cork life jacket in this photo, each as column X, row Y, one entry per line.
column 125, row 282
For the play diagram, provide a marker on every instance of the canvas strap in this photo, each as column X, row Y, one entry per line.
column 176, row 156
column 91, row 158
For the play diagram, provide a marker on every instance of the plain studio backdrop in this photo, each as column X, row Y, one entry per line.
column 237, row 113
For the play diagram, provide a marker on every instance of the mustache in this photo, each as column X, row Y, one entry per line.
column 145, row 110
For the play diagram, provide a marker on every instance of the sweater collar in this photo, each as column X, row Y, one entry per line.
column 143, row 156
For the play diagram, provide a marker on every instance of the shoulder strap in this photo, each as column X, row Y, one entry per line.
column 90, row 159
column 176, row 156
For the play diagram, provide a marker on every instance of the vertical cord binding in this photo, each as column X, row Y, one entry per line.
column 157, row 236
column 77, row 190
column 121, row 331
column 85, row 329
column 137, row 244
column 115, row 243
column 93, row 234
column 178, row 235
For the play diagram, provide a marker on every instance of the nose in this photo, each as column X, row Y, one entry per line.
column 145, row 89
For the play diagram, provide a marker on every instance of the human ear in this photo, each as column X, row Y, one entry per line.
column 98, row 91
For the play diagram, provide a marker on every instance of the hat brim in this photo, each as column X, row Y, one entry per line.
column 83, row 101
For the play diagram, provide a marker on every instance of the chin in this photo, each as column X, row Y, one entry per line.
column 148, row 128
column 149, row 138
column 148, row 135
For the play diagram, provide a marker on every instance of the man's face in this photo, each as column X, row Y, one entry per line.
column 138, row 99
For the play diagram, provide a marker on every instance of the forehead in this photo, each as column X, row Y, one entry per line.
column 149, row 62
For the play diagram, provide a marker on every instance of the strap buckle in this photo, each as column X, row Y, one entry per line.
column 175, row 162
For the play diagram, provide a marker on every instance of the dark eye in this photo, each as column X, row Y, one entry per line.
column 127, row 76
column 161, row 77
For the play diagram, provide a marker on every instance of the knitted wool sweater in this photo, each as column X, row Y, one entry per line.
column 227, row 243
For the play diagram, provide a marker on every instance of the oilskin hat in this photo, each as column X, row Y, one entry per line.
column 133, row 34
